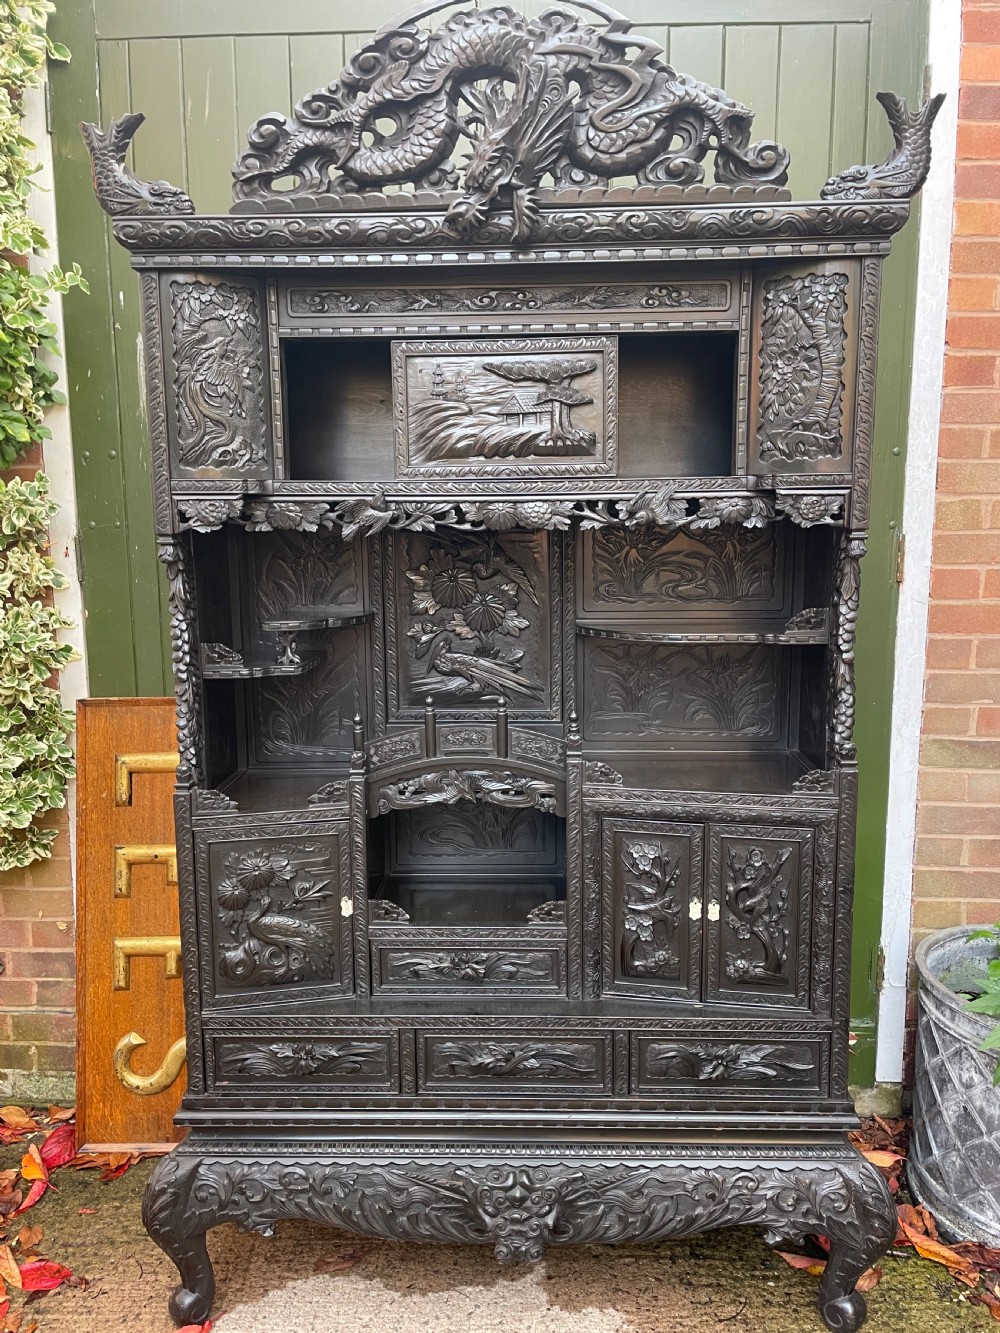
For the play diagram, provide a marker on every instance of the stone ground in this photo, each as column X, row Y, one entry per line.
column 727, row 1282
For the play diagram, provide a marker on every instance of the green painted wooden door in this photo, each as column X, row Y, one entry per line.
column 202, row 71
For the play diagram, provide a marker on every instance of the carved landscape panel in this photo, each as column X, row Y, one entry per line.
column 650, row 569
column 652, row 914
column 218, row 411
column 505, row 407
column 761, row 882
column 470, row 619
column 647, row 693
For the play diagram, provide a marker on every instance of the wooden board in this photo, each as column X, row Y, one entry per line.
column 126, row 908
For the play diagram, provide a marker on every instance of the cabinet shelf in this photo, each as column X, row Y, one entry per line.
column 804, row 628
column 298, row 619
column 235, row 668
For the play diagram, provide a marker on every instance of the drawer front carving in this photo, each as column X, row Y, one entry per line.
column 712, row 1068
column 760, row 890
column 277, row 910
column 488, row 966
column 361, row 1061
column 501, row 1062
column 652, row 918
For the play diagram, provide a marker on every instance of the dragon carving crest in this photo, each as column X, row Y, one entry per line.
column 553, row 96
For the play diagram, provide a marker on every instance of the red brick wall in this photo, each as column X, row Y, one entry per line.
column 37, row 959
column 957, row 863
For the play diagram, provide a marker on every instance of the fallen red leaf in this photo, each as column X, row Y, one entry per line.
column 337, row 1263
column 38, row 1188
column 59, row 1147
column 197, row 1328
column 803, row 1261
column 86, row 1212
column 869, row 1279
column 4, row 1307
column 43, row 1275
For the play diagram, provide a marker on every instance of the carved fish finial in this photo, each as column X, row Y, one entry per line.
column 904, row 171
column 119, row 190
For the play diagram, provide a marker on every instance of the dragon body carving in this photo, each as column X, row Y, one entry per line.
column 553, row 96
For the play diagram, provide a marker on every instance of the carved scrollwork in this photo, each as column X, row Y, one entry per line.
column 817, row 779
column 521, row 1206
column 211, row 801
column 512, row 790
column 597, row 773
column 381, row 909
column 331, row 793
column 803, row 336
column 552, row 913
column 731, row 1063
column 470, row 968
column 904, row 171
column 305, row 1060
column 119, row 190
column 511, row 1060
column 549, row 96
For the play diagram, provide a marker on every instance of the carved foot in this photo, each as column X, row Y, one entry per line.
column 855, row 1211
column 176, row 1223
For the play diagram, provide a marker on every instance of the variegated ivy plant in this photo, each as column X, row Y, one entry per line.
column 36, row 760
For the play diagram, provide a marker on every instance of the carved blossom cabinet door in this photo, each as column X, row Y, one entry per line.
column 806, row 354
column 278, row 911
column 652, row 919
column 218, row 408
column 760, row 889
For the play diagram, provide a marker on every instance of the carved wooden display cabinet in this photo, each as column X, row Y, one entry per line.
column 512, row 517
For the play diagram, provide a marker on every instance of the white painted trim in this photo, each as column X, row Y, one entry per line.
column 58, row 451
column 936, row 212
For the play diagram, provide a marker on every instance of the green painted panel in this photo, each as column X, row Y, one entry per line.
column 850, row 96
column 805, row 103
column 210, row 126
column 315, row 61
column 156, row 87
column 750, row 73
column 698, row 51
column 190, row 18
column 263, row 79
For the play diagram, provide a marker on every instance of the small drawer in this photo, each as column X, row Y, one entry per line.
column 514, row 1062
column 723, row 1067
column 504, row 966
column 357, row 1061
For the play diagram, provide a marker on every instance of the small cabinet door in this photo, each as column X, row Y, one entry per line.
column 277, row 910
column 758, row 912
column 652, row 927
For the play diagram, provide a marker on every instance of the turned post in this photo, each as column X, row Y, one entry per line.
column 430, row 729
column 503, row 731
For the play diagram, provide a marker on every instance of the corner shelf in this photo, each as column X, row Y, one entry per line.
column 797, row 630
column 302, row 618
column 258, row 670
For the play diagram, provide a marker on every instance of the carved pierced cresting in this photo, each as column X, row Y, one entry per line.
column 495, row 786
column 555, row 97
column 218, row 375
column 801, row 367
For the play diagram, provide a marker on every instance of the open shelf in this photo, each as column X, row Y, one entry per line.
column 798, row 630
column 472, row 902
column 686, row 770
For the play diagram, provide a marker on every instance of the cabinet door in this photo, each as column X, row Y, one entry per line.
column 277, row 911
column 758, row 911
column 651, row 928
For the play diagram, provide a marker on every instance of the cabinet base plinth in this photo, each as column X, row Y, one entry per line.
column 521, row 1197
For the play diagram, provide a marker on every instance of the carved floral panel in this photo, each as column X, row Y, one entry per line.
column 647, row 692
column 554, row 1059
column 469, row 968
column 508, row 407
column 648, row 568
column 651, row 921
column 221, row 416
column 470, row 620
column 802, row 360
column 362, row 1060
column 761, row 884
column 276, row 911
column 303, row 572
column 714, row 1068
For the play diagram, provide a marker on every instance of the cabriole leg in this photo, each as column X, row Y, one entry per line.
column 179, row 1227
